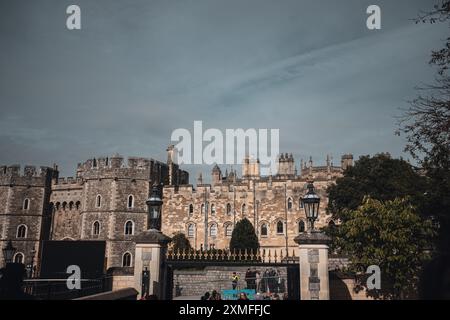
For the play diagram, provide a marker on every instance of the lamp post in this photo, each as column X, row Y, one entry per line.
column 8, row 252
column 311, row 203
column 154, row 204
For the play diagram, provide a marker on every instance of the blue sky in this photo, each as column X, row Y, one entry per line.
column 140, row 69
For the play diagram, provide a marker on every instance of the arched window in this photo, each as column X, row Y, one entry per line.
column 264, row 230
column 130, row 202
column 96, row 228
column 280, row 227
column 19, row 257
column 129, row 228
column 191, row 230
column 244, row 207
column 289, row 204
column 70, row 205
column 228, row 209
column 98, row 201
column 228, row 229
column 77, row 205
column 301, row 226
column 57, row 206
column 191, row 209
column 21, row 231
column 213, row 209
column 64, row 205
column 300, row 203
column 213, row 230
column 126, row 259
column 203, row 208
column 26, row 204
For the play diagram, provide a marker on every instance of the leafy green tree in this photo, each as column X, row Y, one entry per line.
column 426, row 126
column 391, row 235
column 380, row 177
column 244, row 236
column 180, row 242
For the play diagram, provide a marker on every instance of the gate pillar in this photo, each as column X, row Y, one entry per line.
column 150, row 255
column 314, row 283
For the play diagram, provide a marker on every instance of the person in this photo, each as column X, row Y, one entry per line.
column 258, row 281
column 243, row 296
column 215, row 296
column 234, row 280
column 248, row 280
column 205, row 296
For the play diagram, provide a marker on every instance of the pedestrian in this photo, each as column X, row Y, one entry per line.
column 258, row 281
column 234, row 280
column 205, row 296
column 248, row 278
column 243, row 296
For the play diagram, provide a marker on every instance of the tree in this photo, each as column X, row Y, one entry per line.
column 426, row 125
column 180, row 242
column 379, row 177
column 244, row 236
column 389, row 234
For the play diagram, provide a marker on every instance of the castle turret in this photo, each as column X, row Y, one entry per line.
column 216, row 175
column 346, row 161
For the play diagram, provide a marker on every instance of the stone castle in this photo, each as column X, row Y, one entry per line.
column 106, row 200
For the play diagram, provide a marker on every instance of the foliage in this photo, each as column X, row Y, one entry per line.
column 379, row 177
column 392, row 235
column 244, row 236
column 426, row 125
column 180, row 242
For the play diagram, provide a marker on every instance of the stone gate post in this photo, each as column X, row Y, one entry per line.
column 150, row 254
column 314, row 283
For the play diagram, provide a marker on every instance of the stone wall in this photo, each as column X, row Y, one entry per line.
column 190, row 282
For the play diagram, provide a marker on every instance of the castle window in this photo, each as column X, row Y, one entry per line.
column 98, row 201
column 213, row 209
column 19, row 257
column 58, row 205
column 300, row 204
column 21, row 231
column 264, row 230
column 126, row 259
column 244, row 207
column 96, row 228
column 228, row 209
column 77, row 205
column 213, row 230
column 130, row 202
column 289, row 204
column 191, row 209
column 129, row 228
column 280, row 227
column 26, row 204
column 228, row 229
column 64, row 205
column 191, row 230
column 301, row 226
column 70, row 205
column 203, row 208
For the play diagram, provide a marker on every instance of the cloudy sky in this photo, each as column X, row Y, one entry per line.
column 139, row 69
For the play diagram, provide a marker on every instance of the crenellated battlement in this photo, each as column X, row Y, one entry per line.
column 117, row 162
column 15, row 170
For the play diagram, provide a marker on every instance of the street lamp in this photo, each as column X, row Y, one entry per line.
column 154, row 204
column 8, row 252
column 311, row 203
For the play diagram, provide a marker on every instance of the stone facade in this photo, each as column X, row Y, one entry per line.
column 207, row 214
column 105, row 201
